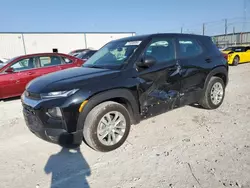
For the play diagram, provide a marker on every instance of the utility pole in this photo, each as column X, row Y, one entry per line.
column 203, row 29
column 181, row 29
column 225, row 32
column 225, row 26
column 244, row 16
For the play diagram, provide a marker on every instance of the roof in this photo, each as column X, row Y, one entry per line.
column 38, row 54
column 122, row 32
column 142, row 37
column 44, row 53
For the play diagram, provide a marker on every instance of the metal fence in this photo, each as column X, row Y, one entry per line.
column 232, row 39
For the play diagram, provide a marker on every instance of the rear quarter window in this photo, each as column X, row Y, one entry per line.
column 189, row 48
column 67, row 60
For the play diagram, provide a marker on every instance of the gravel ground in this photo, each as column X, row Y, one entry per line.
column 187, row 147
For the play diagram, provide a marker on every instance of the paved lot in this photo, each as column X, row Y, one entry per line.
column 187, row 147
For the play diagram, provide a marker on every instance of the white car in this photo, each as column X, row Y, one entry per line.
column 3, row 61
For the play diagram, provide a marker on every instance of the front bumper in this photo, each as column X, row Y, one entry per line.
column 59, row 131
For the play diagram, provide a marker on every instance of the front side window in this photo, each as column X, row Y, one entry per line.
column 189, row 48
column 113, row 54
column 47, row 61
column 24, row 64
column 162, row 49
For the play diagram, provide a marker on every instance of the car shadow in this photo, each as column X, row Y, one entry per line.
column 68, row 168
column 196, row 105
column 10, row 99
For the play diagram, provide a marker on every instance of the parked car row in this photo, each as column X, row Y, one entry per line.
column 3, row 62
column 17, row 72
column 123, row 83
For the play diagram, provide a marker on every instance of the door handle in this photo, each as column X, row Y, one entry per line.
column 30, row 73
column 208, row 60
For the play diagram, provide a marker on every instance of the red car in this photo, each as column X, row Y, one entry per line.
column 21, row 70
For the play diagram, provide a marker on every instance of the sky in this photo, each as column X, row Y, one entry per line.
column 140, row 16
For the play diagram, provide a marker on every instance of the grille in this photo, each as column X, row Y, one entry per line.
column 31, row 119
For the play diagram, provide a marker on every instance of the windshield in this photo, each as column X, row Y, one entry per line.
column 113, row 54
column 236, row 49
column 10, row 60
column 82, row 54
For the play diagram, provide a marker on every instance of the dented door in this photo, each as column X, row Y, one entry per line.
column 159, row 88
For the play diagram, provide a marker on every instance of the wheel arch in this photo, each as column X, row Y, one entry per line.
column 122, row 95
column 237, row 55
column 221, row 72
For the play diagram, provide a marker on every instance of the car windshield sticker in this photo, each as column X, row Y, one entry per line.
column 132, row 43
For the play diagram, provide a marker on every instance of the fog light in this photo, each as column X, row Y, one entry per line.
column 55, row 112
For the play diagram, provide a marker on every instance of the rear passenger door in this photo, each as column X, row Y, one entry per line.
column 49, row 64
column 194, row 67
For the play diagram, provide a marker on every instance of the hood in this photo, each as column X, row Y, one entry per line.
column 69, row 79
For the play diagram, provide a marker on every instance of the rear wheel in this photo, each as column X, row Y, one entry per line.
column 106, row 126
column 236, row 60
column 214, row 94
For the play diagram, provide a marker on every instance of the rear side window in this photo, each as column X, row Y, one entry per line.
column 67, row 60
column 189, row 48
column 47, row 61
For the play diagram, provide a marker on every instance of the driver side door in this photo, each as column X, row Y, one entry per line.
column 159, row 87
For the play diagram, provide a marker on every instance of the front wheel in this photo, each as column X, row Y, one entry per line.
column 214, row 94
column 106, row 126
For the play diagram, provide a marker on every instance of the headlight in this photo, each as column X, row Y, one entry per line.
column 57, row 94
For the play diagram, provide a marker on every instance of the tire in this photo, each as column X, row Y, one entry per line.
column 93, row 124
column 236, row 60
column 207, row 101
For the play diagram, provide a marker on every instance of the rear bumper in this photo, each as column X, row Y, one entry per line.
column 50, row 130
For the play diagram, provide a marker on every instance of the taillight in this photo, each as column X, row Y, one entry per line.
column 225, row 56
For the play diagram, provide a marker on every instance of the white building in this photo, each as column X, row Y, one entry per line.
column 15, row 44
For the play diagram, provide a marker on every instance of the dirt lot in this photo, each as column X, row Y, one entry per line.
column 188, row 147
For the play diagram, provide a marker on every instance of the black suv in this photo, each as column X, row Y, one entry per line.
column 126, row 81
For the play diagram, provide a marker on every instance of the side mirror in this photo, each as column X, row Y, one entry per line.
column 9, row 70
column 147, row 62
